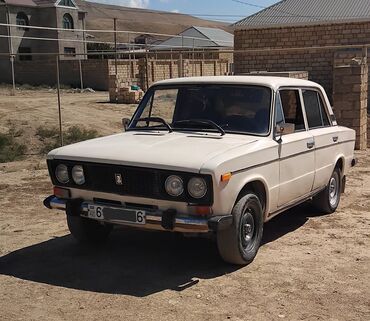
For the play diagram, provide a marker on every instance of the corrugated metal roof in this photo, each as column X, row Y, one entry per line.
column 220, row 37
column 198, row 37
column 26, row 3
column 308, row 11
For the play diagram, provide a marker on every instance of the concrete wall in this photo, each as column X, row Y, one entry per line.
column 94, row 72
column 318, row 62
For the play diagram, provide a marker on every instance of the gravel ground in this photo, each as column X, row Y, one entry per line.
column 310, row 267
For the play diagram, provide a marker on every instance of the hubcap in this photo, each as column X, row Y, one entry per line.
column 247, row 229
column 333, row 191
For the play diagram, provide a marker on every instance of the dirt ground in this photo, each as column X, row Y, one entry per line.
column 310, row 267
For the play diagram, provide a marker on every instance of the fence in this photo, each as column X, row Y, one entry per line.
column 143, row 66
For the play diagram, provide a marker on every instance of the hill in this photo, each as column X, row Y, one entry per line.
column 100, row 16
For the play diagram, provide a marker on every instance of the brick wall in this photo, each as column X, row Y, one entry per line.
column 155, row 70
column 96, row 72
column 350, row 98
column 318, row 62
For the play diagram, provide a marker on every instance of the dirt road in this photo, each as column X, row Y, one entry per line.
column 310, row 267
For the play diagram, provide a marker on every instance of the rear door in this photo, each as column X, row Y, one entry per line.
column 325, row 136
column 296, row 150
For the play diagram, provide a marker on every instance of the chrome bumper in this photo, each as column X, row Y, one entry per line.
column 153, row 218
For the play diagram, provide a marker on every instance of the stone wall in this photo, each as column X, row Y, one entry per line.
column 318, row 62
column 350, row 98
column 155, row 70
column 96, row 72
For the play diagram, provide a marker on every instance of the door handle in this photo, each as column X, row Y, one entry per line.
column 310, row 145
column 335, row 139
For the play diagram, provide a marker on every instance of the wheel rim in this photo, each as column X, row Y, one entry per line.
column 333, row 191
column 247, row 229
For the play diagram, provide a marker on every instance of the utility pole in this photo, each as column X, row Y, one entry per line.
column 59, row 104
column 11, row 55
column 115, row 47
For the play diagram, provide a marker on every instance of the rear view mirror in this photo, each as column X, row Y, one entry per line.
column 125, row 123
column 285, row 129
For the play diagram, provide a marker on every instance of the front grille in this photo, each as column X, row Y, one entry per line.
column 136, row 181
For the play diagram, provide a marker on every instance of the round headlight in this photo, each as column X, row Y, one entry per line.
column 174, row 185
column 61, row 173
column 78, row 175
column 197, row 187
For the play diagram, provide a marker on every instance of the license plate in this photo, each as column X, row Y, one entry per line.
column 98, row 212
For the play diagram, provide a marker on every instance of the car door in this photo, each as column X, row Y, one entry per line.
column 325, row 136
column 296, row 149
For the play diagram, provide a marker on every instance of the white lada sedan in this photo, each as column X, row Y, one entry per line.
column 212, row 155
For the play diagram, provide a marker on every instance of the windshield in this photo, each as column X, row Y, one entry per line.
column 241, row 109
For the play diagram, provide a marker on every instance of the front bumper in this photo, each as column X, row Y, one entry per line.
column 155, row 219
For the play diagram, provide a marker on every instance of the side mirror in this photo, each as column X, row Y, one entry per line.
column 284, row 129
column 125, row 122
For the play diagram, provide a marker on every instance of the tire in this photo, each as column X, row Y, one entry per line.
column 239, row 243
column 328, row 200
column 88, row 231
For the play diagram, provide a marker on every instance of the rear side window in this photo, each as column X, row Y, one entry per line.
column 292, row 108
column 315, row 110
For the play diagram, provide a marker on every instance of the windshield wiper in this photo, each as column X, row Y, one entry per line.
column 201, row 121
column 157, row 120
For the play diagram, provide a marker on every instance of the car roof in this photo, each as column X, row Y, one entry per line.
column 267, row 81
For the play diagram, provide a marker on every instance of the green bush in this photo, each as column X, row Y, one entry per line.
column 50, row 136
column 10, row 150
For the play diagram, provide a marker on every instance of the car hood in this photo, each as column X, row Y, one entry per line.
column 177, row 150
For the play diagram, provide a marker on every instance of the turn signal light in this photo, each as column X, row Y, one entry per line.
column 61, row 192
column 226, row 177
column 203, row 210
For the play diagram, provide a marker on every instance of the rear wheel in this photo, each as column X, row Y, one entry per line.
column 239, row 243
column 87, row 230
column 328, row 200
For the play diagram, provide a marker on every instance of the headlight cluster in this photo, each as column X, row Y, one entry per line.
column 196, row 187
column 62, row 174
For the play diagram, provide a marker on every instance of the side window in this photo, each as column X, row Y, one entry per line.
column 324, row 114
column 279, row 114
column 292, row 108
column 315, row 111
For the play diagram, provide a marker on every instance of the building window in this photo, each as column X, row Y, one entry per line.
column 66, row 3
column 69, row 51
column 22, row 20
column 67, row 21
column 25, row 50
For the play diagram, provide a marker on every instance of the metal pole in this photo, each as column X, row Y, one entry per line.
column 10, row 44
column 115, row 47
column 81, row 78
column 193, row 66
column 59, row 105
column 146, row 64
column 84, row 35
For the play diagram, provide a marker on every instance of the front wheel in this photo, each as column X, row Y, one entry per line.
column 239, row 243
column 86, row 230
column 328, row 200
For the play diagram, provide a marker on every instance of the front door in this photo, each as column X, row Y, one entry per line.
column 296, row 149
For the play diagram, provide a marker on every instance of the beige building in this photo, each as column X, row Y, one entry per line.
column 43, row 13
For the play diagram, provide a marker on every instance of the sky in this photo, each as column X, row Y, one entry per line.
column 230, row 10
